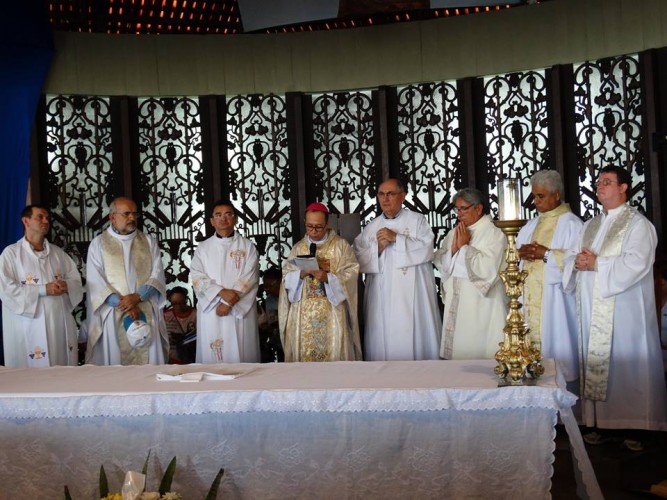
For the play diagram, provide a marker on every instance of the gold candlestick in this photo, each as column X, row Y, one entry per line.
column 518, row 359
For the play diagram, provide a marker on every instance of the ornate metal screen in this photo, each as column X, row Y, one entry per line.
column 170, row 180
column 79, row 174
column 430, row 152
column 258, row 173
column 345, row 177
column 608, row 102
column 516, row 129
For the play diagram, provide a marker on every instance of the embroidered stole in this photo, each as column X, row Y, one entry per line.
column 114, row 266
column 534, row 284
column 29, row 271
column 594, row 364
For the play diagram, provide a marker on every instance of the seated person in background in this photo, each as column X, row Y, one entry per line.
column 181, row 321
column 270, row 347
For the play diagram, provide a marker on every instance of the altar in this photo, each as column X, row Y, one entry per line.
column 426, row 429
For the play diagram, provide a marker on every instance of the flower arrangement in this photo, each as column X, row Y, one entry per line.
column 134, row 485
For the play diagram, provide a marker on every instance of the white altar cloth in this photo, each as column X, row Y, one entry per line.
column 429, row 429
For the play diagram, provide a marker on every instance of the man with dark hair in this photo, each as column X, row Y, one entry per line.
column 622, row 380
column 225, row 276
column 473, row 294
column 39, row 287
column 126, row 292
column 395, row 250
column 318, row 307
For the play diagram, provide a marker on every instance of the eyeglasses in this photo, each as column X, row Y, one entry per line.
column 226, row 215
column 464, row 208
column 388, row 194
column 125, row 215
column 605, row 182
column 314, row 227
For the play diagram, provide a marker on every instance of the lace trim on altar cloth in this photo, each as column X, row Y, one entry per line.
column 195, row 403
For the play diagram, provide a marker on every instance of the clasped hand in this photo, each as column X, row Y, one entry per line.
column 532, row 251
column 585, row 260
column 461, row 237
column 385, row 237
column 128, row 304
column 56, row 287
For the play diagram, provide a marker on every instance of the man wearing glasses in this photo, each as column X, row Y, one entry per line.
column 474, row 297
column 318, row 307
column 39, row 287
column 225, row 276
column 126, row 292
column 622, row 384
column 395, row 250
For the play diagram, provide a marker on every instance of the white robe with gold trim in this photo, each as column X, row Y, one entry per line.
column 473, row 293
column 103, row 347
column 554, row 319
column 635, row 395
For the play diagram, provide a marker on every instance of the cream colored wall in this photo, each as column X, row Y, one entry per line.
column 530, row 37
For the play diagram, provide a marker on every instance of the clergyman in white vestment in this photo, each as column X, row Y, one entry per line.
column 473, row 294
column 550, row 312
column 225, row 276
column 622, row 378
column 126, row 292
column 39, row 287
column 395, row 251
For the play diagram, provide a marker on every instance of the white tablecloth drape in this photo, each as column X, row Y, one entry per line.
column 427, row 429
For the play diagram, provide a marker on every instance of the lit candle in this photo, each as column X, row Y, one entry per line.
column 509, row 202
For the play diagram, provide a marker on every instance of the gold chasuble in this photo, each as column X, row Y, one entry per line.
column 114, row 265
column 534, row 284
column 595, row 362
column 313, row 329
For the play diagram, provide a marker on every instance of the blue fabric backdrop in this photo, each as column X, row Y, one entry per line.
column 26, row 48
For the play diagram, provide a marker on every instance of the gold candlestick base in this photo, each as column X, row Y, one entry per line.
column 518, row 359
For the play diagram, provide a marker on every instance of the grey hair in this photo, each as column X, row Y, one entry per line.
column 472, row 196
column 112, row 205
column 549, row 179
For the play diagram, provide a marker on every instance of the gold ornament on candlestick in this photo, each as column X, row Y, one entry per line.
column 518, row 358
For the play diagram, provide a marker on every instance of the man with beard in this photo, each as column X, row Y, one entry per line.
column 126, row 291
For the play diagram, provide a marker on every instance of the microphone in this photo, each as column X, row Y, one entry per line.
column 313, row 249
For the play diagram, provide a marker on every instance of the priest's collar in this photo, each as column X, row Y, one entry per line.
column 123, row 237
column 395, row 216
column 613, row 212
column 556, row 212
column 231, row 235
column 319, row 242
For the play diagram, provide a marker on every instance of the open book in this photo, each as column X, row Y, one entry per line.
column 304, row 262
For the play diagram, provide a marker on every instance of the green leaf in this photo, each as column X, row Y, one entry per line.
column 104, row 485
column 213, row 492
column 144, row 470
column 67, row 495
column 165, row 484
